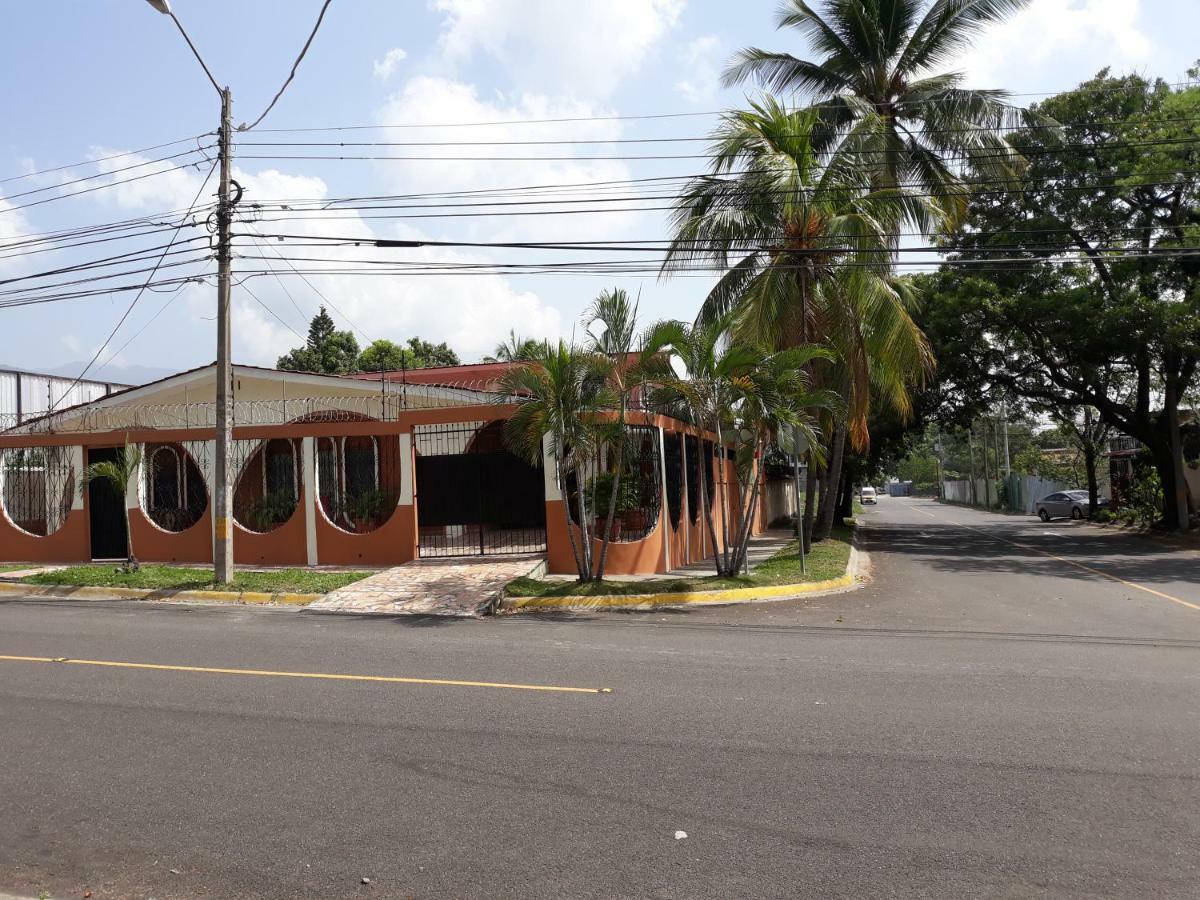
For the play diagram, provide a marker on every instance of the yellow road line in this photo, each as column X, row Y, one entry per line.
column 1063, row 559
column 384, row 679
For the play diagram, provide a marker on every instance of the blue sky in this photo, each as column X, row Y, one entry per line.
column 97, row 77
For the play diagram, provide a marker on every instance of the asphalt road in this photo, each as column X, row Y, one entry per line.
column 985, row 719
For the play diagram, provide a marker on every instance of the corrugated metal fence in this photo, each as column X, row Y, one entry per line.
column 1016, row 493
column 27, row 395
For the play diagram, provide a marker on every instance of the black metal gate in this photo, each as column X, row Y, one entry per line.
column 106, row 514
column 474, row 498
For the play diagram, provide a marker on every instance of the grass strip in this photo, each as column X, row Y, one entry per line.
column 828, row 559
column 279, row 581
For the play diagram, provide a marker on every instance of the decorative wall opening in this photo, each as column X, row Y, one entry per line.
column 674, row 466
column 37, row 486
column 174, row 495
column 268, row 484
column 693, row 479
column 358, row 480
column 639, row 492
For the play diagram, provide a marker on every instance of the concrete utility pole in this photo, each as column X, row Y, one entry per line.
column 222, row 518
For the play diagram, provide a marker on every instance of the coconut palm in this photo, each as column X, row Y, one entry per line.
column 118, row 473
column 875, row 78
column 807, row 239
column 562, row 391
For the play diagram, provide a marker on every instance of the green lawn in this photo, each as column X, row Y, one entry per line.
column 828, row 559
column 17, row 567
column 292, row 581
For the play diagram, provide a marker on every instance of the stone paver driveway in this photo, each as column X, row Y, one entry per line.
column 437, row 587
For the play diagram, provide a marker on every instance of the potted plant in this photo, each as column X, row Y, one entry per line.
column 363, row 511
column 601, row 488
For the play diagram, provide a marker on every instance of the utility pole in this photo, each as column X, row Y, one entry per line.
column 971, row 451
column 223, row 519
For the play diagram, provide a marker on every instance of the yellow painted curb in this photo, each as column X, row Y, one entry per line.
column 67, row 592
column 728, row 595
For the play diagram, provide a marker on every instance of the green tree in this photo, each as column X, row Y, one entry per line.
column 387, row 356
column 1103, row 309
column 118, row 474
column 809, row 237
column 562, row 386
column 875, row 81
column 514, row 348
column 425, row 355
column 326, row 350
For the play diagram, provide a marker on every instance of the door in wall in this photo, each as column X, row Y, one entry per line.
column 106, row 515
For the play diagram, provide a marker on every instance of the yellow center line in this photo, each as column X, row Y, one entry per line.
column 1063, row 559
column 269, row 673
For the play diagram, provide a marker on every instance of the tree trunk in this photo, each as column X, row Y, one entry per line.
column 707, row 507
column 131, row 562
column 810, row 496
column 567, row 508
column 1175, row 498
column 1089, row 465
column 723, row 488
column 832, row 479
column 585, row 541
column 845, row 504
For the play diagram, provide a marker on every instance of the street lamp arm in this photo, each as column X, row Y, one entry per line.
column 164, row 7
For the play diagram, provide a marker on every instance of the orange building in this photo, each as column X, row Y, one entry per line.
column 361, row 470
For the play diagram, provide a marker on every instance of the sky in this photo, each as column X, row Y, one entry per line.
column 90, row 79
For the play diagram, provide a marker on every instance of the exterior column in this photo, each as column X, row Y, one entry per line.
column 133, row 491
column 664, row 509
column 308, row 489
column 406, row 503
column 77, row 458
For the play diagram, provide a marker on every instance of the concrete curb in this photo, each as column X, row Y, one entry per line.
column 69, row 592
column 858, row 573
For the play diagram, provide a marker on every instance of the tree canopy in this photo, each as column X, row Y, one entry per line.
column 329, row 351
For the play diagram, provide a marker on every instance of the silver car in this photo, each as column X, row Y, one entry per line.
column 1066, row 503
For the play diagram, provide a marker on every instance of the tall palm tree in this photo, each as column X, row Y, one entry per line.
column 561, row 390
column 719, row 378
column 875, row 78
column 617, row 352
column 807, row 238
column 118, row 474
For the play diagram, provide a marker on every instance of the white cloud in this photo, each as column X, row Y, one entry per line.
column 582, row 47
column 384, row 68
column 438, row 100
column 1027, row 51
column 700, row 61
column 13, row 226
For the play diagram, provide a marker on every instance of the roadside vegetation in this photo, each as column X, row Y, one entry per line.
column 827, row 559
column 290, row 581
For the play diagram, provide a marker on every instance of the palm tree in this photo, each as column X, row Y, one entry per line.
column 875, row 81
column 721, row 389
column 119, row 473
column 807, row 238
column 774, row 396
column 616, row 351
column 561, row 390
column 515, row 349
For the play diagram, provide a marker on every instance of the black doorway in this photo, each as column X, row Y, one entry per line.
column 106, row 514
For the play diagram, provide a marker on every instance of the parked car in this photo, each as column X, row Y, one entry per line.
column 1066, row 503
column 867, row 494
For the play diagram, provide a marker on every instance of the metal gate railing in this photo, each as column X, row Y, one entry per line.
column 474, row 498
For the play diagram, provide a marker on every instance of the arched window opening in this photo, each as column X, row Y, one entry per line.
column 358, row 480
column 174, row 497
column 693, row 478
column 268, row 488
column 639, row 497
column 37, row 485
column 674, row 467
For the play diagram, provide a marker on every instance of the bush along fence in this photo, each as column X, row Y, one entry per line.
column 1015, row 493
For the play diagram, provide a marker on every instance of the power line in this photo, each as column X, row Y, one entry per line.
column 136, row 298
column 101, row 159
column 141, row 165
column 99, row 187
column 635, row 117
column 292, row 73
column 245, row 287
